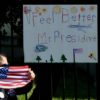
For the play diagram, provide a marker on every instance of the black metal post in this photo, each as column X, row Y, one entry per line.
column 51, row 83
column 88, row 70
column 64, row 82
column 12, row 39
column 75, row 76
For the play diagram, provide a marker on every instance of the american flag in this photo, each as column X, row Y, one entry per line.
column 78, row 50
column 14, row 77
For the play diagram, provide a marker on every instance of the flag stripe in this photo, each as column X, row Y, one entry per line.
column 17, row 73
column 18, row 70
column 10, row 83
column 7, row 80
column 17, row 67
column 14, row 79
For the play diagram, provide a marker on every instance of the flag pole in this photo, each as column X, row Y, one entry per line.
column 73, row 56
column 75, row 75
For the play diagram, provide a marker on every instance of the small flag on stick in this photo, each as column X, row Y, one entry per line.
column 76, row 50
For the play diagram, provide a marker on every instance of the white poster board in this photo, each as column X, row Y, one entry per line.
column 58, row 30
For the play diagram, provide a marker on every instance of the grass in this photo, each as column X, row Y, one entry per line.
column 82, row 88
column 22, row 97
column 60, row 98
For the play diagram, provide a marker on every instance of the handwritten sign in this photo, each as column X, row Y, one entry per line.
column 58, row 29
